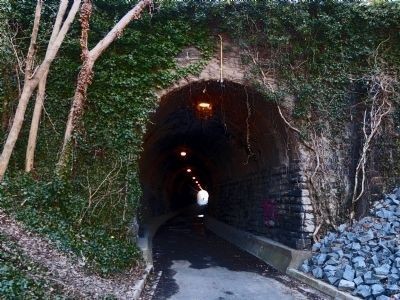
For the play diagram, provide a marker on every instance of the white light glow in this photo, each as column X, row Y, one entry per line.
column 183, row 153
column 188, row 170
column 202, row 197
column 200, row 216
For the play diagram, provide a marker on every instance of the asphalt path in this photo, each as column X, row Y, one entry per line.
column 191, row 263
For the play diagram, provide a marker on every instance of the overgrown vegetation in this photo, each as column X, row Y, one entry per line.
column 323, row 56
column 320, row 52
column 20, row 278
column 89, row 212
column 54, row 209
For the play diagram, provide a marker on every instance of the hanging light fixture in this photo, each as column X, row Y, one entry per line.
column 188, row 170
column 204, row 110
column 203, row 105
column 183, row 153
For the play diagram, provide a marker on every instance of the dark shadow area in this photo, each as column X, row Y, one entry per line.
column 231, row 141
column 226, row 131
column 185, row 239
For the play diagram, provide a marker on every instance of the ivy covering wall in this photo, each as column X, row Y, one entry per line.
column 101, row 194
column 319, row 52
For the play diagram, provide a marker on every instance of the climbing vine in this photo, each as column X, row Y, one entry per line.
column 319, row 53
column 101, row 194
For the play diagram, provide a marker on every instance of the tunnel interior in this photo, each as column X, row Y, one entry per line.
column 228, row 139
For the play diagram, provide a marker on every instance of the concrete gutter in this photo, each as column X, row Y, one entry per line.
column 273, row 253
column 139, row 285
column 322, row 286
column 281, row 257
column 145, row 244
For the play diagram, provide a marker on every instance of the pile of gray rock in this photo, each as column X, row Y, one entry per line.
column 363, row 259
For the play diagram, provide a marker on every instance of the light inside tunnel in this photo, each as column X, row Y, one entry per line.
column 202, row 197
column 241, row 152
column 204, row 105
column 185, row 152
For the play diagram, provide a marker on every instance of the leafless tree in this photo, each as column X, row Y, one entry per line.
column 34, row 75
column 89, row 58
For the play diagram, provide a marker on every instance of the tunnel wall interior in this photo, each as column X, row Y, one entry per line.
column 274, row 204
column 238, row 148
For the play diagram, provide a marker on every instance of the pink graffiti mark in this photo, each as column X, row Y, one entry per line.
column 270, row 212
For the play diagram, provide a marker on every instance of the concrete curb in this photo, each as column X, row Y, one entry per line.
column 322, row 286
column 145, row 243
column 138, row 288
column 281, row 257
column 273, row 253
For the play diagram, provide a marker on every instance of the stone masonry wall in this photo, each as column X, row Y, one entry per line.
column 273, row 203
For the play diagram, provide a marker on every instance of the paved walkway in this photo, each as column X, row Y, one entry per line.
column 192, row 263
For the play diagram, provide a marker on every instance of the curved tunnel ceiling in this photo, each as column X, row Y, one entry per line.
column 238, row 135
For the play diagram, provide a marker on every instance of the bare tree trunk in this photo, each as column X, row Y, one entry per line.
column 32, row 47
column 32, row 78
column 86, row 74
column 26, row 94
column 16, row 127
column 40, row 97
column 84, row 79
column 30, row 151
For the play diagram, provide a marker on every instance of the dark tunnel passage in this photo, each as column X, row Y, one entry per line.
column 227, row 139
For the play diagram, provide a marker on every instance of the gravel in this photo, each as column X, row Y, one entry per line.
column 363, row 259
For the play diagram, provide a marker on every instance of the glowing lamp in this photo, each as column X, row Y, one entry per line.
column 188, row 170
column 204, row 105
column 202, row 197
column 193, row 178
column 183, row 153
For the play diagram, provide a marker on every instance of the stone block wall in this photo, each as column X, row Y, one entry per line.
column 272, row 203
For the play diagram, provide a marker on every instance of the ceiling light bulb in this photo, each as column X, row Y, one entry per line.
column 193, row 178
column 183, row 153
column 204, row 105
column 188, row 170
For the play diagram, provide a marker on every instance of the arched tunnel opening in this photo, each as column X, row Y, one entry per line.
column 229, row 140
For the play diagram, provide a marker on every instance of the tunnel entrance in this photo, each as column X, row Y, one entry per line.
column 229, row 140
